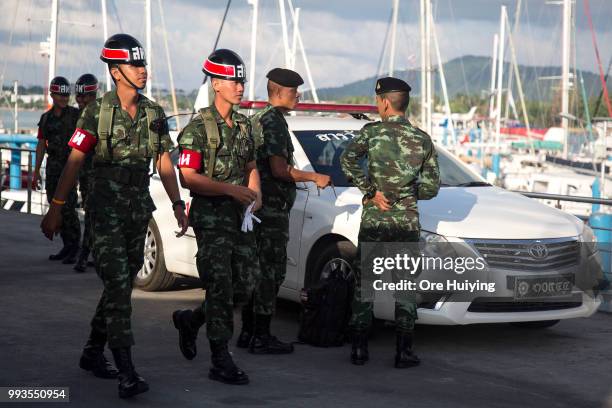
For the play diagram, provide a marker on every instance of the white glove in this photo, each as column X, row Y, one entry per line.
column 247, row 222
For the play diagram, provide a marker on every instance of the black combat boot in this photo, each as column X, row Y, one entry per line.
column 93, row 358
column 71, row 255
column 404, row 357
column 263, row 342
column 247, row 326
column 130, row 383
column 187, row 334
column 61, row 254
column 224, row 369
column 81, row 264
column 359, row 351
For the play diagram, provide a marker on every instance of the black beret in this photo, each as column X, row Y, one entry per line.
column 389, row 84
column 285, row 77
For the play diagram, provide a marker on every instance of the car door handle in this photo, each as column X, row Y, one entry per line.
column 301, row 188
column 308, row 216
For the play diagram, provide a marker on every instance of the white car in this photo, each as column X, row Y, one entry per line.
column 324, row 225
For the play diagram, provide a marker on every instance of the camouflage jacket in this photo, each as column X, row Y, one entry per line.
column 272, row 138
column 129, row 142
column 55, row 131
column 401, row 163
column 235, row 150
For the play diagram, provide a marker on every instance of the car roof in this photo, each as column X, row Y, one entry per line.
column 298, row 123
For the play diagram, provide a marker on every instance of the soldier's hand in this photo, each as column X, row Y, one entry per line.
column 258, row 203
column 243, row 195
column 52, row 222
column 182, row 219
column 322, row 180
column 381, row 201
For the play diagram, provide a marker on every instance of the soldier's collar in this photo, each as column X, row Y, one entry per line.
column 397, row 118
column 114, row 100
column 235, row 116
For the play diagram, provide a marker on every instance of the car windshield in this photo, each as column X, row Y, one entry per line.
column 324, row 147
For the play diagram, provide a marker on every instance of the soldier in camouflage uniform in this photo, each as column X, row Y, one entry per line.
column 398, row 154
column 54, row 130
column 86, row 90
column 278, row 176
column 217, row 163
column 125, row 130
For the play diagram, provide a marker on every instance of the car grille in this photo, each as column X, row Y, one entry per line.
column 504, row 305
column 528, row 255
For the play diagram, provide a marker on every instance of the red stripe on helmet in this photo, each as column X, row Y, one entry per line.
column 90, row 88
column 54, row 88
column 115, row 54
column 219, row 69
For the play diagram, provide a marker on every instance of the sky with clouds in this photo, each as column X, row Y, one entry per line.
column 343, row 38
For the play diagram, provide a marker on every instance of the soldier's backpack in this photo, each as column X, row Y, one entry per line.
column 326, row 310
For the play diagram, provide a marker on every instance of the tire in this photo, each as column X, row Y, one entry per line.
column 336, row 255
column 540, row 324
column 153, row 276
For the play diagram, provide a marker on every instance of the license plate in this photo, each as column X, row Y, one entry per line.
column 530, row 287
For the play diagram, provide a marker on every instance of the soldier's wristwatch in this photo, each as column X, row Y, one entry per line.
column 178, row 202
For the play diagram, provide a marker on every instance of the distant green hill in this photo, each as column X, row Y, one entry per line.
column 471, row 75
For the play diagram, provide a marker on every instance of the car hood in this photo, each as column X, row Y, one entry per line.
column 487, row 213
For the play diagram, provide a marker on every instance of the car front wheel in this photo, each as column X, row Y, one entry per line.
column 153, row 275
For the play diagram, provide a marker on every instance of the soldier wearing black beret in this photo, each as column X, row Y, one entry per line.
column 274, row 155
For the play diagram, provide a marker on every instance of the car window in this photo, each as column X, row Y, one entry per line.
column 324, row 147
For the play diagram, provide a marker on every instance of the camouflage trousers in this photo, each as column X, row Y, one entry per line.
column 228, row 267
column 84, row 188
column 71, row 226
column 362, row 305
column 272, row 237
column 118, row 248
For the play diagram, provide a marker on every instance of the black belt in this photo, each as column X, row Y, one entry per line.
column 123, row 175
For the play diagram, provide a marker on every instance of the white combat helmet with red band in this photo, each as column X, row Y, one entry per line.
column 225, row 64
column 123, row 49
column 59, row 85
column 87, row 83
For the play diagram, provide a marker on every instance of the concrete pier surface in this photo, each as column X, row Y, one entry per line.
column 46, row 307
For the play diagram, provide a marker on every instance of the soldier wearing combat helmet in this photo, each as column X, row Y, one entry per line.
column 126, row 132
column 398, row 154
column 54, row 130
column 217, row 163
column 86, row 91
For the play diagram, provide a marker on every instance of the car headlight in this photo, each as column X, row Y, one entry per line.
column 432, row 238
column 589, row 239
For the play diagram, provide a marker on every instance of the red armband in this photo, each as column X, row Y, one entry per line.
column 40, row 134
column 190, row 159
column 83, row 141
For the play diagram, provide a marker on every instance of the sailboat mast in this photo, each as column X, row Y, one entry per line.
column 52, row 44
column 105, row 33
column 283, row 18
column 500, row 76
column 423, row 68
column 149, row 47
column 393, row 37
column 565, row 72
column 252, row 62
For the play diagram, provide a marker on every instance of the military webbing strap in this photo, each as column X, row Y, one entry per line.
column 105, row 126
column 212, row 138
column 152, row 115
